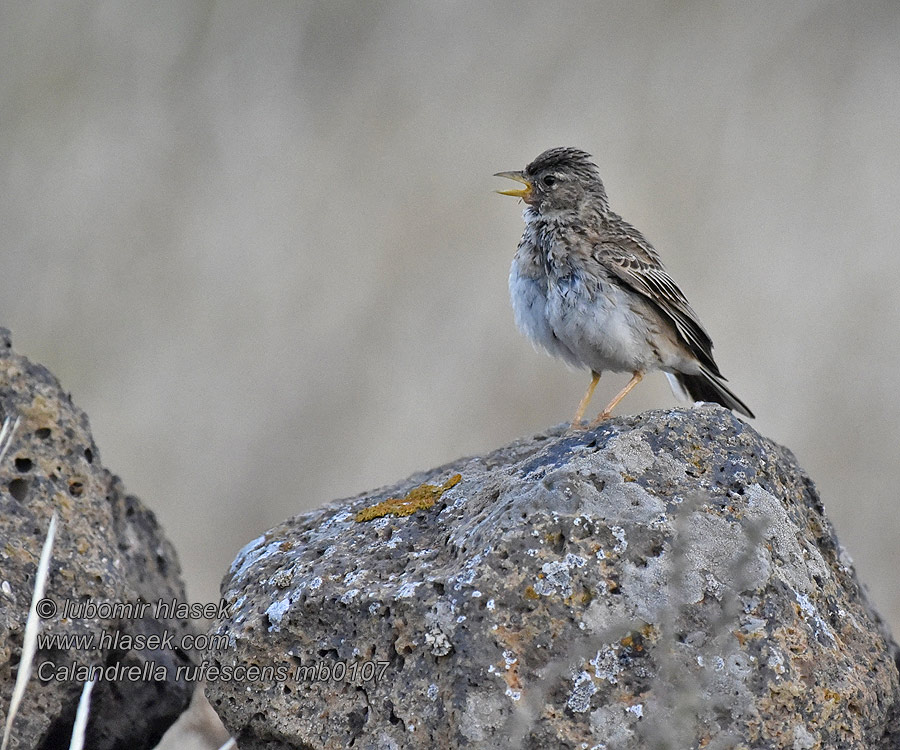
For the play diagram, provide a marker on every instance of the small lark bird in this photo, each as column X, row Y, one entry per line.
column 588, row 288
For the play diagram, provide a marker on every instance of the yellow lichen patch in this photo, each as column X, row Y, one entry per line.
column 63, row 502
column 511, row 642
column 582, row 598
column 419, row 498
column 634, row 641
column 41, row 411
column 530, row 593
column 785, row 699
column 553, row 538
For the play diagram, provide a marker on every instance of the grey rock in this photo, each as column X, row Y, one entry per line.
column 668, row 580
column 109, row 549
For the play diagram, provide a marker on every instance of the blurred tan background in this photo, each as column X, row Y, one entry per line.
column 258, row 243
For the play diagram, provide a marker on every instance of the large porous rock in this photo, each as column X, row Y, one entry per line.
column 109, row 551
column 667, row 580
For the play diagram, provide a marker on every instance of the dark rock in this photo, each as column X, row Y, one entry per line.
column 109, row 548
column 665, row 581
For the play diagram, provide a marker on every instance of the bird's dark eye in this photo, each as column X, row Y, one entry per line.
column 549, row 180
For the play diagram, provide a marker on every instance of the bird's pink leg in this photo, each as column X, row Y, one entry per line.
column 576, row 421
column 604, row 415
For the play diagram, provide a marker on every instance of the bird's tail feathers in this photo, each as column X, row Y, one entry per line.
column 707, row 387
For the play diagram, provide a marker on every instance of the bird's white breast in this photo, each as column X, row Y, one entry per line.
column 599, row 325
column 578, row 316
column 528, row 295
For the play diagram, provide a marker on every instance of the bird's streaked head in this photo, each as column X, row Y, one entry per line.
column 560, row 180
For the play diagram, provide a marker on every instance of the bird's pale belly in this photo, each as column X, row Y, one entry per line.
column 529, row 302
column 600, row 331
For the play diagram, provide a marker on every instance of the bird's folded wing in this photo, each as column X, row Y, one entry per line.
column 637, row 265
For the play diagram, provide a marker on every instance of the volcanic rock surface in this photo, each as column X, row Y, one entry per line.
column 667, row 580
column 109, row 551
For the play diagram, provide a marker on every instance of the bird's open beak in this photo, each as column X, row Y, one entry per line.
column 523, row 193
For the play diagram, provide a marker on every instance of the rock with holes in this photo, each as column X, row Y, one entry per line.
column 667, row 580
column 109, row 553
